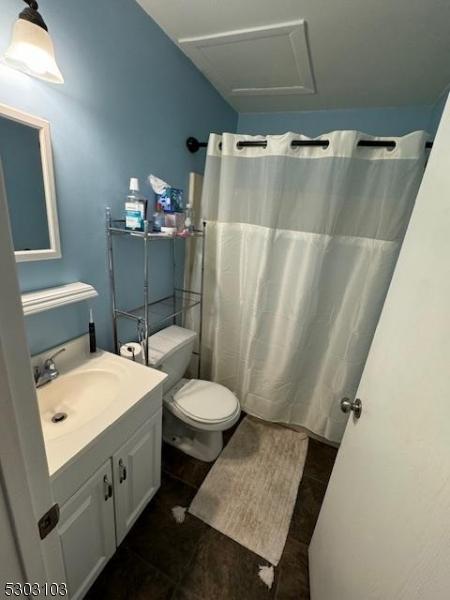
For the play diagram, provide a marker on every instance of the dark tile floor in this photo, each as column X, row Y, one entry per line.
column 160, row 559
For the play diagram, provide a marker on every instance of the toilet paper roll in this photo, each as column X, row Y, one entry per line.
column 132, row 351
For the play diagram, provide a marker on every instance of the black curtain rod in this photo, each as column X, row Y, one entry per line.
column 193, row 145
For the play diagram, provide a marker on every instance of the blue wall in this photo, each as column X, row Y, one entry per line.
column 374, row 121
column 129, row 101
column 438, row 109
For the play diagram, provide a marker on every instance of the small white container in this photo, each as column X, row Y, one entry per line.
column 169, row 230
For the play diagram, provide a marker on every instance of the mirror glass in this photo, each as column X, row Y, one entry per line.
column 24, row 183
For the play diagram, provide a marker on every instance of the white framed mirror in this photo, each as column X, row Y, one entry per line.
column 27, row 165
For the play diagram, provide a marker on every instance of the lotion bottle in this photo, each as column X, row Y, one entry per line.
column 188, row 221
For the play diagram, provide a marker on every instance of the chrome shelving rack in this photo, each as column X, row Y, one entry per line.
column 151, row 315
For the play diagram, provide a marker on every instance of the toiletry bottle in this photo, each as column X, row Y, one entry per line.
column 92, row 340
column 189, row 219
column 159, row 218
column 135, row 207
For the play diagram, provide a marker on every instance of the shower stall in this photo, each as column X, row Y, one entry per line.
column 303, row 238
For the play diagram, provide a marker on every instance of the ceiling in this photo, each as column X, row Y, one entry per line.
column 286, row 55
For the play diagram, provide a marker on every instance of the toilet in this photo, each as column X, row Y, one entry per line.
column 195, row 412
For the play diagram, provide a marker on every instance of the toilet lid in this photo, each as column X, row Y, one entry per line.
column 206, row 401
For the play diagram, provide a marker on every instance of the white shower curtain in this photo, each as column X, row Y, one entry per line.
column 301, row 246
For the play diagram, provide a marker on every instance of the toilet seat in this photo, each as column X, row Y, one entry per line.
column 203, row 402
column 206, row 401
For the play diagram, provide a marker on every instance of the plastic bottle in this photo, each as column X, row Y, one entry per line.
column 135, row 207
column 159, row 218
column 189, row 219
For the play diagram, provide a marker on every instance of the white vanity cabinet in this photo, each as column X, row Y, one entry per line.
column 95, row 519
column 86, row 530
column 104, row 457
column 137, row 474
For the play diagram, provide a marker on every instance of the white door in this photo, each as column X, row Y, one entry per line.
column 11, row 567
column 137, row 474
column 23, row 463
column 384, row 529
column 86, row 530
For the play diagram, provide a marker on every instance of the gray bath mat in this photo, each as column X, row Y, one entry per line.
column 249, row 494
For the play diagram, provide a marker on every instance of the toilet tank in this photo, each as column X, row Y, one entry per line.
column 170, row 351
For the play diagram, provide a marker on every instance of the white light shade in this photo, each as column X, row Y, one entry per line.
column 31, row 51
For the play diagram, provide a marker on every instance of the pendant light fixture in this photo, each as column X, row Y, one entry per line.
column 31, row 50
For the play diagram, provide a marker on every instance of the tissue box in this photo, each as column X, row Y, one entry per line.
column 171, row 200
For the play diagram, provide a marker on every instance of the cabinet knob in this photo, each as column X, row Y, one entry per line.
column 107, row 488
column 122, row 471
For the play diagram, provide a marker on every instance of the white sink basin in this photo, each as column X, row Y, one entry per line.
column 90, row 395
column 68, row 402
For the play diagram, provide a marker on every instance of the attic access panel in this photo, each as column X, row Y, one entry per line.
column 261, row 61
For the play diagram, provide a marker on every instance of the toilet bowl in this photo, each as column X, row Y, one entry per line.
column 195, row 411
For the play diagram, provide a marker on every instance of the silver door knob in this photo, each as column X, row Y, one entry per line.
column 348, row 405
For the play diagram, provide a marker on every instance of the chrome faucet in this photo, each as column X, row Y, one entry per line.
column 48, row 372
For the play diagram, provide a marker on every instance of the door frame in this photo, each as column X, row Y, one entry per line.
column 23, row 461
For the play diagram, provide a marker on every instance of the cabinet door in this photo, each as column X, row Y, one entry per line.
column 137, row 474
column 86, row 530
